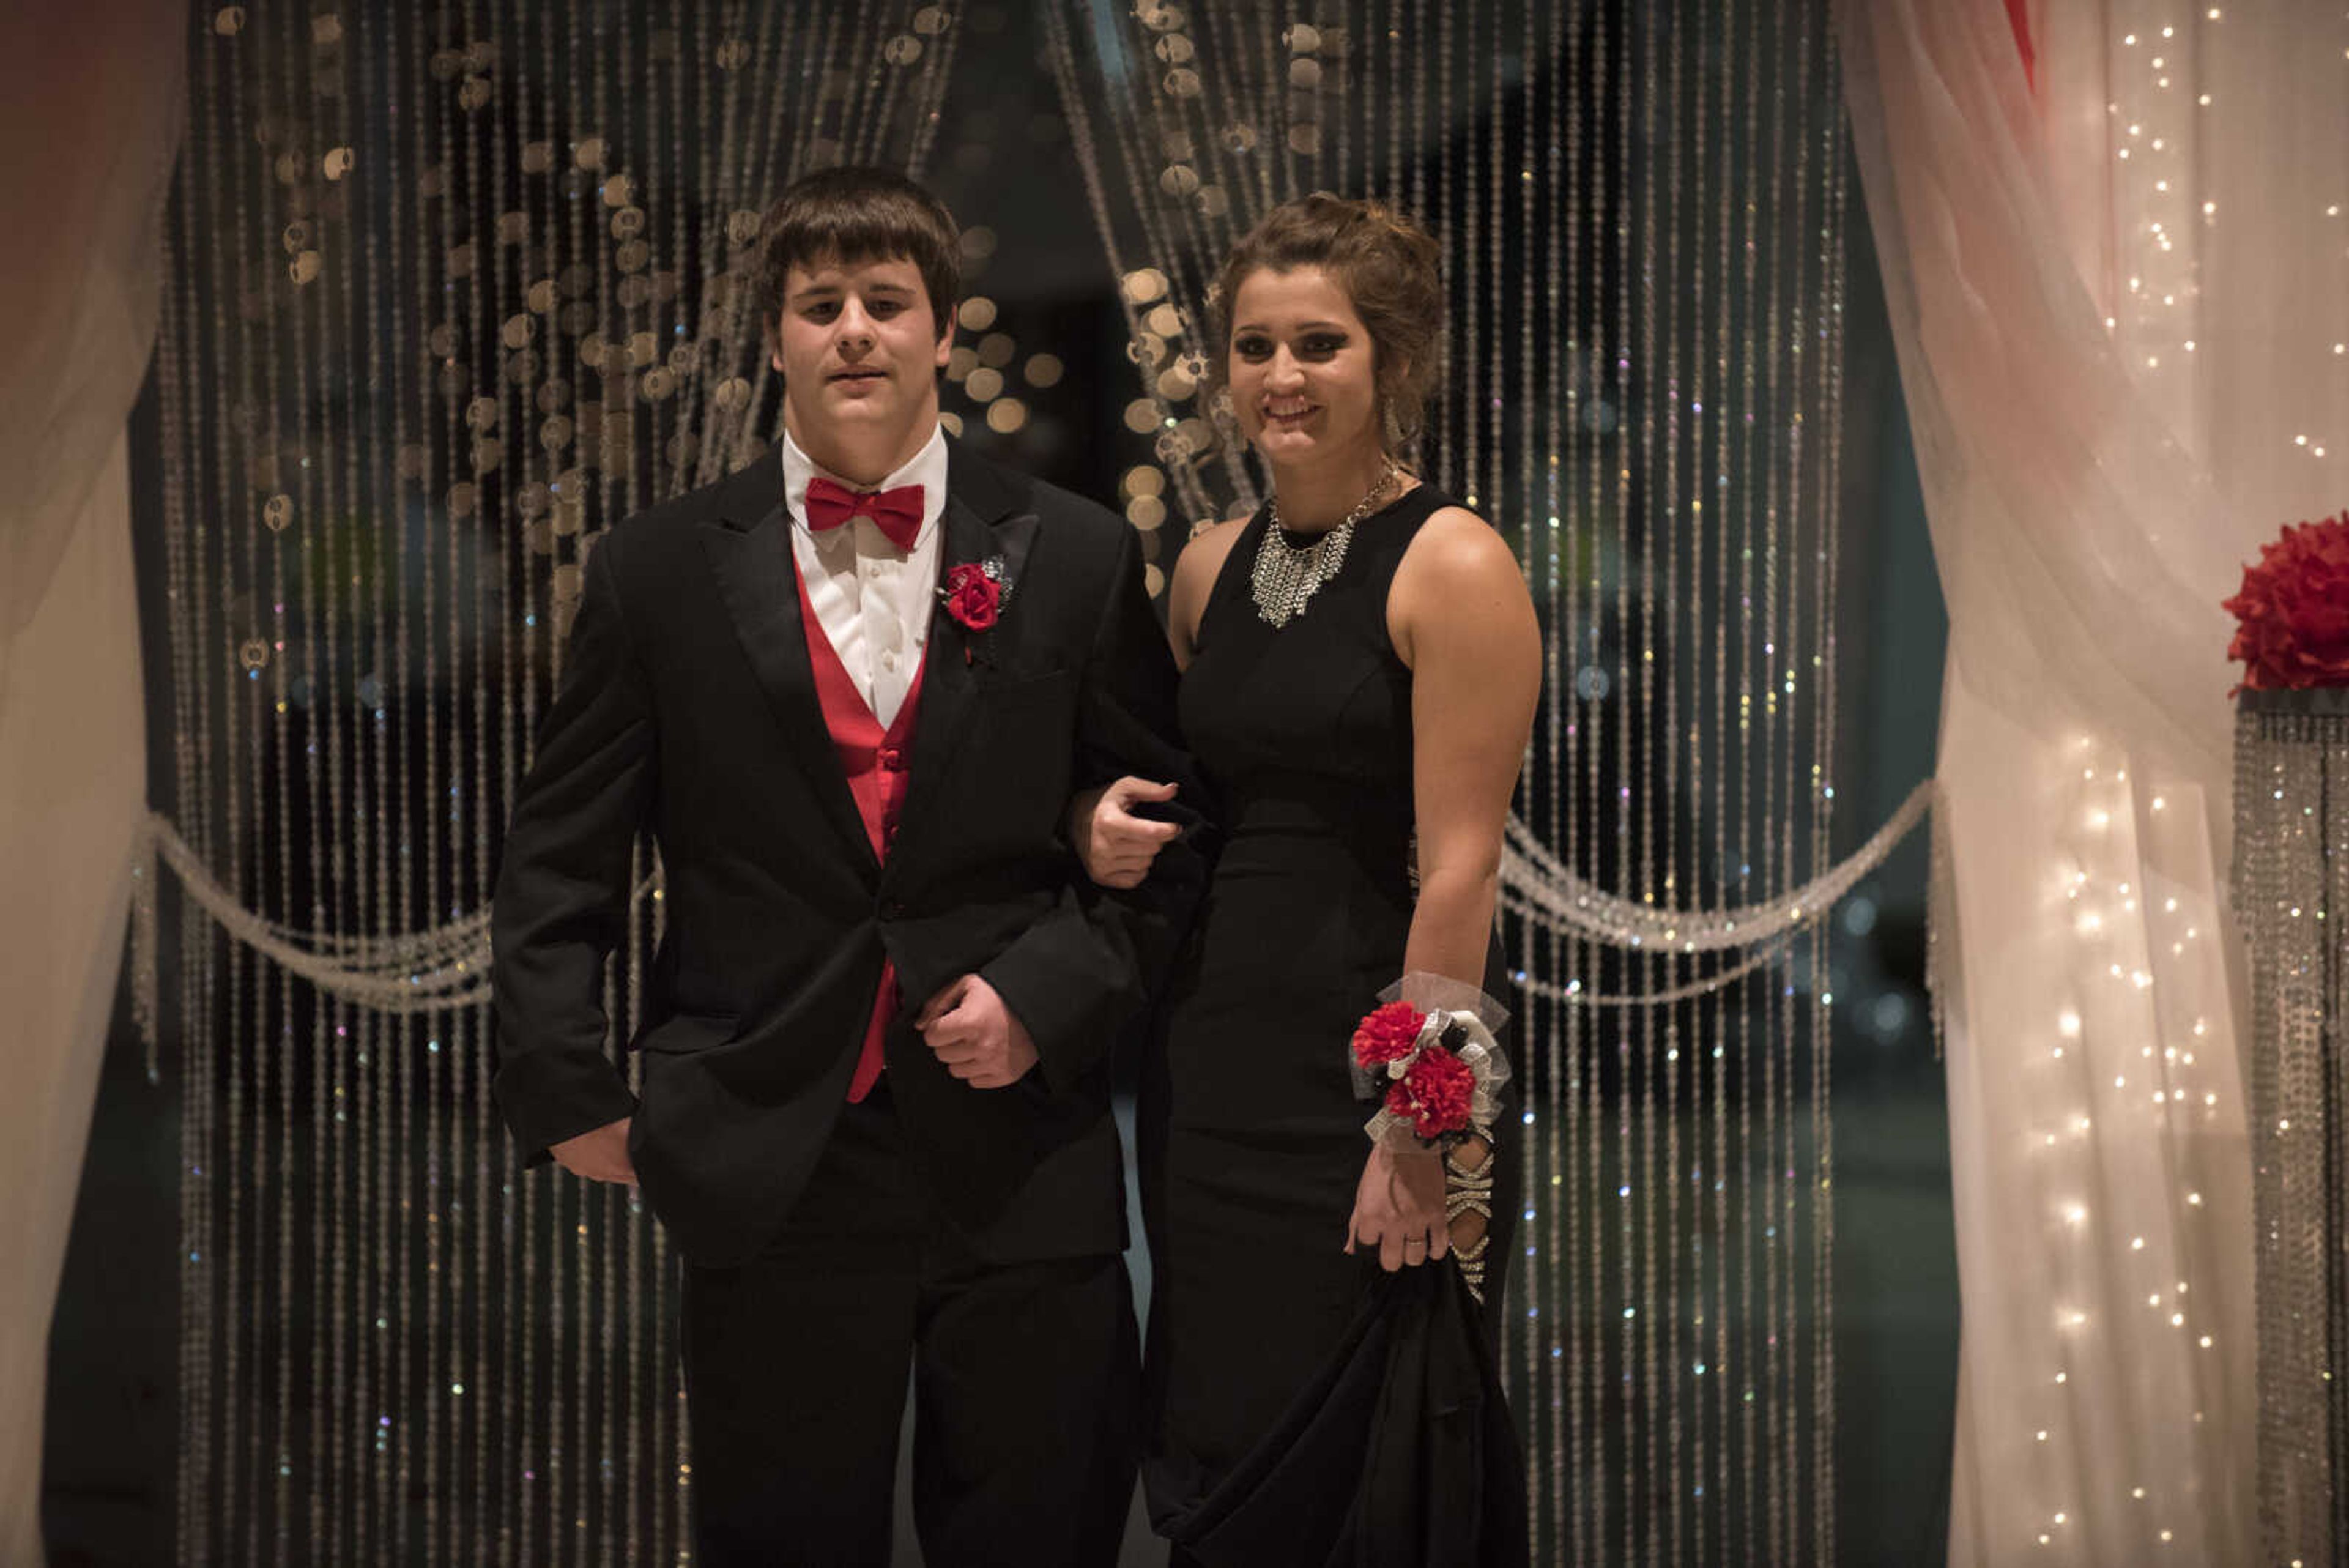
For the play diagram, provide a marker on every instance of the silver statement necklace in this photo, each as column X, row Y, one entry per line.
column 1287, row 576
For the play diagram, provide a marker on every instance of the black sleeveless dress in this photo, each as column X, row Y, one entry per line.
column 1251, row 1137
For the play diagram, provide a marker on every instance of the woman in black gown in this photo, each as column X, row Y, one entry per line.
column 1362, row 665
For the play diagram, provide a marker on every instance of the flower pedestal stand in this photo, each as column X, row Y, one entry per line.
column 2291, row 892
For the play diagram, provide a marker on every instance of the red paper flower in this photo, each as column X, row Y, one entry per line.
column 1387, row 1033
column 1434, row 1095
column 2292, row 613
column 972, row 596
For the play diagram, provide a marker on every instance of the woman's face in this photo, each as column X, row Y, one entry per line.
column 1301, row 368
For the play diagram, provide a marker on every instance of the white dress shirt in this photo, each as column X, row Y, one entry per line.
column 873, row 602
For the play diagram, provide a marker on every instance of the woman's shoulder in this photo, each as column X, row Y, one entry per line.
column 1454, row 549
column 1456, row 561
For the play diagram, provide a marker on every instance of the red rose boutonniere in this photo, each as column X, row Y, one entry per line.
column 974, row 594
column 2292, row 613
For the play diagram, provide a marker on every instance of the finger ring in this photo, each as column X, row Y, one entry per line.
column 1414, row 1241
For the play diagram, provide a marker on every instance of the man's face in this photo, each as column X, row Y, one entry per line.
column 858, row 351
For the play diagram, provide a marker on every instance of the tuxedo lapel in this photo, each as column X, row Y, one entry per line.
column 949, row 668
column 758, row 579
column 979, row 523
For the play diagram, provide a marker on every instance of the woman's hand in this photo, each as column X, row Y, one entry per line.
column 1115, row 846
column 1399, row 1208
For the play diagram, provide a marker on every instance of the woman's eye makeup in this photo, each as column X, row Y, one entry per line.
column 1319, row 346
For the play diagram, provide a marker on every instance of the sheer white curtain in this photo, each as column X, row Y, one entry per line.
column 90, row 109
column 2116, row 301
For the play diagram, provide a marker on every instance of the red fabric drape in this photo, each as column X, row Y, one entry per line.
column 2018, row 14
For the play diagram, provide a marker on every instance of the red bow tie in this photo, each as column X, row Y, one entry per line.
column 898, row 513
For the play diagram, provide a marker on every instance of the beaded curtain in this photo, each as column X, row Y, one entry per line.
column 1642, row 211
column 450, row 290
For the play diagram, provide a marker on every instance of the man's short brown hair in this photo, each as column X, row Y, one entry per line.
column 853, row 214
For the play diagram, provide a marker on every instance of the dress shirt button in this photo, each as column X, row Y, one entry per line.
column 888, row 661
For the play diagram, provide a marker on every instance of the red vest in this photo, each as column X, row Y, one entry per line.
column 875, row 760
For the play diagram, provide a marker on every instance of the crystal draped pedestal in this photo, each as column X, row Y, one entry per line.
column 2291, row 895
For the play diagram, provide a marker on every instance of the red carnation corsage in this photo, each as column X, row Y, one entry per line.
column 1434, row 1073
column 1434, row 1095
column 1388, row 1033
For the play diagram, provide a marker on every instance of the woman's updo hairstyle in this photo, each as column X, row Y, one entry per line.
column 1387, row 266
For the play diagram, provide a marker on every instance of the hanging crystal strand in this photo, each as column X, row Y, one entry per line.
column 326, row 533
column 937, row 69
column 522, row 500
column 530, row 1466
column 243, row 1006
column 1721, row 1009
column 884, row 80
column 374, row 1398
column 704, row 271
column 1691, row 1480
column 419, row 264
column 1539, row 511
column 191, row 1480
column 871, row 77
column 1233, row 123
column 467, row 249
column 1777, row 800
column 1060, row 52
column 1681, row 1351
column 866, row 74
column 1522, row 376
column 316, row 537
column 1628, row 863
column 1804, row 1018
column 1473, row 271
column 243, row 723
column 631, row 301
column 1645, row 545
column 1590, row 1368
column 1752, row 1077
column 1833, row 158
column 184, row 339
column 785, row 138
column 1813, row 540
column 293, row 1456
column 1217, row 47
column 1569, row 1194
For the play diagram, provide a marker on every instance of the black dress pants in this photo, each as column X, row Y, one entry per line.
column 1025, row 1384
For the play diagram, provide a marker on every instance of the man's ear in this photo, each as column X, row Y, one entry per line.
column 770, row 330
column 945, row 346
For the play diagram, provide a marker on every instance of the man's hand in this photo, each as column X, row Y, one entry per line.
column 1399, row 1208
column 599, row 1156
column 980, row 1040
column 1115, row 846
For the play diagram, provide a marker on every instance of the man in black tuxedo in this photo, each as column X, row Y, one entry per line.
column 851, row 690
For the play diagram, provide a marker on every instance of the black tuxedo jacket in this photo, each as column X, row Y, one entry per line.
column 688, row 705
